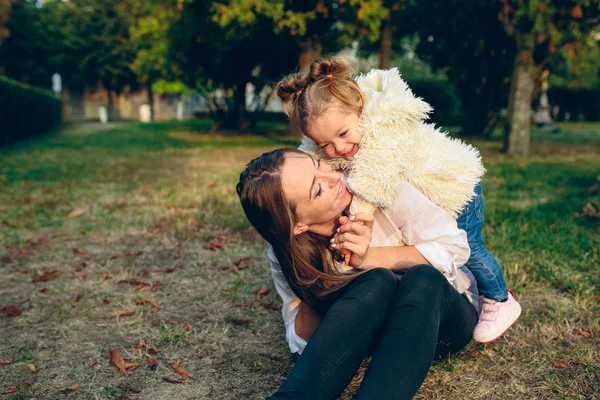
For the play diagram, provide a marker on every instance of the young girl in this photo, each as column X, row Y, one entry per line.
column 373, row 130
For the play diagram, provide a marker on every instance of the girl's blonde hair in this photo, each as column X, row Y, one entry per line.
column 306, row 261
column 328, row 82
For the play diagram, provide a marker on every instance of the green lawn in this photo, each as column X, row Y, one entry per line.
column 152, row 198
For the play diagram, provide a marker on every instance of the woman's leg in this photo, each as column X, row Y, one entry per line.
column 342, row 339
column 426, row 310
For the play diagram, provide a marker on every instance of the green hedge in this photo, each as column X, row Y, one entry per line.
column 26, row 111
column 576, row 102
column 442, row 97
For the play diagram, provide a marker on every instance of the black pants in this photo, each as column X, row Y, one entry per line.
column 404, row 324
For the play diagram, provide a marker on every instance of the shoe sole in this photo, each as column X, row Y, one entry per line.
column 486, row 340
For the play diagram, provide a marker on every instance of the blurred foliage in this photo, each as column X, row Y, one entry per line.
column 17, row 102
column 217, row 47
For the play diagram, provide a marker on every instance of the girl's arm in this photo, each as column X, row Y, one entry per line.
column 306, row 322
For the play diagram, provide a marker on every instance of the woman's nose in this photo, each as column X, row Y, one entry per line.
column 333, row 178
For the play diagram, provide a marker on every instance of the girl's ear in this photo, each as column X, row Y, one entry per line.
column 300, row 228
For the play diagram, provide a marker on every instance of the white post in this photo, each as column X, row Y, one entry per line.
column 103, row 114
column 145, row 113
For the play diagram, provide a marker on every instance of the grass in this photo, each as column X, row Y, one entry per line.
column 153, row 198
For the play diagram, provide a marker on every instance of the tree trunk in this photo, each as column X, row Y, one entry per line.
column 519, row 107
column 150, row 94
column 310, row 51
column 239, row 100
column 385, row 52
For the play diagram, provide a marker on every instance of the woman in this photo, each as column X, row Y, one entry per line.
column 297, row 203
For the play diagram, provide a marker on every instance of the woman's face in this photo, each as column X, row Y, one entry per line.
column 318, row 192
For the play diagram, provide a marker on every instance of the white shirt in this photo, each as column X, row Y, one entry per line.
column 418, row 222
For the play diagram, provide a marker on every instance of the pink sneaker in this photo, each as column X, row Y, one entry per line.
column 495, row 318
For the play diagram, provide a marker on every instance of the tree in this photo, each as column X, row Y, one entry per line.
column 149, row 35
column 540, row 30
column 5, row 9
column 23, row 54
column 465, row 40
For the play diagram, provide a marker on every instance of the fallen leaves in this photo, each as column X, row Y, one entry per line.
column 78, row 212
column 31, row 368
column 166, row 270
column 128, row 387
column 559, row 364
column 146, row 300
column 72, row 388
column 188, row 326
column 260, row 292
column 171, row 380
column 242, row 321
column 10, row 311
column 180, row 371
column 78, row 252
column 241, row 263
column 152, row 363
column 122, row 313
column 120, row 363
column 11, row 389
column 48, row 276
column 214, row 246
column 586, row 332
column 4, row 362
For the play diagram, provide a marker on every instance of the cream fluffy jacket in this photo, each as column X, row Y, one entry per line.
column 397, row 145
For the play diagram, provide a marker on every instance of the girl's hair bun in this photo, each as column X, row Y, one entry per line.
column 291, row 86
column 329, row 68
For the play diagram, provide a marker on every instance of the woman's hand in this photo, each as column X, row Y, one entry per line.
column 353, row 238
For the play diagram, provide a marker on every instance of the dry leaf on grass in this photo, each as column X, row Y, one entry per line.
column 166, row 270
column 81, row 266
column 241, row 305
column 586, row 332
column 152, row 363
column 146, row 300
column 188, row 326
column 47, row 276
column 171, row 380
column 44, row 290
column 260, row 292
column 120, row 363
column 242, row 321
column 559, row 364
column 11, row 389
column 31, row 368
column 214, row 246
column 4, row 362
column 78, row 212
column 118, row 360
column 154, row 286
column 122, row 313
column 6, row 260
column 271, row 306
column 10, row 311
column 78, row 252
column 153, row 350
column 242, row 263
column 127, row 386
column 180, row 371
column 72, row 388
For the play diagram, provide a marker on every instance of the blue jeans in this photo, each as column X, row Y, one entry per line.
column 482, row 263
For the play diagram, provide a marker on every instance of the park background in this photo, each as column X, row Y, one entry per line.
column 127, row 267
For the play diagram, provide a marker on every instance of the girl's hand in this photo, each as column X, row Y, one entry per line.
column 354, row 236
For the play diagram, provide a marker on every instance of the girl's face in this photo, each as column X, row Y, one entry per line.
column 336, row 132
column 319, row 194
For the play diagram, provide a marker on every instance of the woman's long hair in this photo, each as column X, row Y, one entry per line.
column 305, row 259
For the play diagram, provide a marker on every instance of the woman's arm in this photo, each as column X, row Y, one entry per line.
column 306, row 322
column 397, row 258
